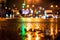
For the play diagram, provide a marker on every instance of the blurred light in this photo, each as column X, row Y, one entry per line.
column 32, row 5
column 29, row 36
column 45, row 13
column 31, row 11
column 28, row 6
column 36, row 16
column 22, row 29
column 26, row 11
column 36, row 12
column 28, row 19
column 37, row 26
column 52, row 15
column 51, row 5
column 37, row 37
column 9, row 8
column 13, row 15
column 40, row 15
column 57, row 12
column 23, row 11
column 14, row 5
column 51, row 29
column 6, row 15
column 28, row 27
column 5, row 7
column 56, row 6
column 10, row 15
column 23, row 4
column 40, row 8
column 39, row 11
column 56, row 31
column 18, row 13
column 15, row 8
column 48, row 11
column 44, row 17
column 56, row 16
column 43, row 9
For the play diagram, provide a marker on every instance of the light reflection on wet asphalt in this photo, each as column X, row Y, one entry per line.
column 38, row 31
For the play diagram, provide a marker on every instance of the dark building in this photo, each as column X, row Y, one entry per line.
column 15, row 3
column 2, row 8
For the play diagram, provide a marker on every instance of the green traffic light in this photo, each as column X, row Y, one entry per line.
column 23, row 4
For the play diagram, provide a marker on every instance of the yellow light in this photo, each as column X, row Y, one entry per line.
column 51, row 5
column 18, row 13
column 30, row 9
column 5, row 7
column 28, row 27
column 56, row 6
column 35, row 11
column 29, row 36
column 27, row 5
column 40, row 8
column 56, row 31
column 32, row 5
column 51, row 29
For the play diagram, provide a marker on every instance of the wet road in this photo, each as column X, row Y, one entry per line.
column 29, row 29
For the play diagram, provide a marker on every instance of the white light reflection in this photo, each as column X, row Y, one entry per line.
column 51, row 29
column 28, row 26
column 37, row 37
column 56, row 30
column 29, row 36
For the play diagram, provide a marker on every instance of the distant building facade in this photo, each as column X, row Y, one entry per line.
column 15, row 4
column 2, row 8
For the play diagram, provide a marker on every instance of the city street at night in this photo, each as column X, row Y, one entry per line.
column 29, row 19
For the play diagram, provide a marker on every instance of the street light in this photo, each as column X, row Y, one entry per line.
column 56, row 6
column 51, row 5
column 32, row 5
column 27, row 6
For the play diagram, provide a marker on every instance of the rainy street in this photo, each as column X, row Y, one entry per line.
column 41, row 29
column 29, row 20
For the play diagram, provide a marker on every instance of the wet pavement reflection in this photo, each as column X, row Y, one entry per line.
column 29, row 30
column 39, row 31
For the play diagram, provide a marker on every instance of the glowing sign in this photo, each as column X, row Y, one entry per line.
column 25, row 11
column 48, row 11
